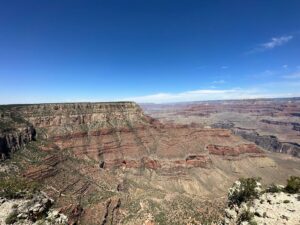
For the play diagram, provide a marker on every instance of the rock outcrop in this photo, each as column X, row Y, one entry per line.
column 30, row 211
column 234, row 151
column 267, row 208
column 15, row 139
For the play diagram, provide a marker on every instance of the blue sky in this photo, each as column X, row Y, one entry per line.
column 148, row 51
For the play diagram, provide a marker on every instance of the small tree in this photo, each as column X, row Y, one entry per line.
column 293, row 185
column 243, row 190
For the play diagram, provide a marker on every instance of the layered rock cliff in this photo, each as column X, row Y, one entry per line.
column 270, row 143
column 112, row 163
column 19, row 124
column 267, row 142
column 59, row 120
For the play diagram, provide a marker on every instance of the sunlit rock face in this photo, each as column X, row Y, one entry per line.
column 120, row 135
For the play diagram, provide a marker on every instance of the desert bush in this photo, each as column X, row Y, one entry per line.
column 273, row 188
column 243, row 190
column 246, row 215
column 16, row 187
column 293, row 185
column 12, row 218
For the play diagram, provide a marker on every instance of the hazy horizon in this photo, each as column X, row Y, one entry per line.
column 158, row 103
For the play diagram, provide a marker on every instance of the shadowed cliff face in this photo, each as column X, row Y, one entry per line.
column 14, row 140
column 119, row 164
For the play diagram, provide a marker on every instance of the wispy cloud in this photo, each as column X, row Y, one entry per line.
column 224, row 67
column 271, row 44
column 206, row 94
column 292, row 76
column 219, row 82
column 277, row 41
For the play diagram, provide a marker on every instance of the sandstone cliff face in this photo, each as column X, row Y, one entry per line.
column 21, row 123
column 58, row 120
column 119, row 135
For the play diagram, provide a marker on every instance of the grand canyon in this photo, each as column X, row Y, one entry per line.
column 149, row 112
column 124, row 163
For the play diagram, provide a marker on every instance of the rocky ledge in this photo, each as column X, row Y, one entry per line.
column 235, row 150
column 30, row 211
column 249, row 204
column 191, row 161
column 269, row 208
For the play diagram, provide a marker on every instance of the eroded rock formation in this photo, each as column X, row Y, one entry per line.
column 109, row 163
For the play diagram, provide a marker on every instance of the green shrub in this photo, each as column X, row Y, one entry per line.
column 286, row 201
column 12, row 218
column 243, row 190
column 252, row 222
column 16, row 187
column 246, row 215
column 273, row 188
column 293, row 185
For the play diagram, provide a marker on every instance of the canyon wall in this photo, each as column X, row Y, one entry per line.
column 272, row 124
column 118, row 135
column 14, row 140
column 112, row 163
column 20, row 124
column 267, row 142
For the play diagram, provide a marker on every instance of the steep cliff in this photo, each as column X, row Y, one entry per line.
column 58, row 120
column 267, row 142
column 15, row 131
column 20, row 124
column 120, row 135
column 14, row 140
column 270, row 143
